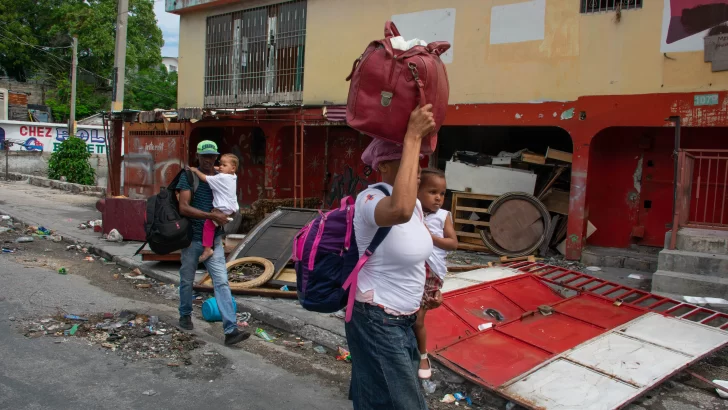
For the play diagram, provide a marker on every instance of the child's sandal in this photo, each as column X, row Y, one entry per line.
column 425, row 373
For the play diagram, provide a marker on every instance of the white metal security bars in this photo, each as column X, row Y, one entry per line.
column 256, row 56
column 597, row 6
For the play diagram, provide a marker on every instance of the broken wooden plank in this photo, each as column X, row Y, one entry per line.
column 472, row 247
column 472, row 209
column 552, row 181
column 468, row 195
column 467, row 234
column 557, row 201
column 558, row 155
column 471, row 222
column 533, row 158
column 529, row 258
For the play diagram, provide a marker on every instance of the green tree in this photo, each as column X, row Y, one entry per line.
column 152, row 88
column 35, row 36
column 71, row 161
column 88, row 101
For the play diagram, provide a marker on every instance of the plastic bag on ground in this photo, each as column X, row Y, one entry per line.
column 115, row 236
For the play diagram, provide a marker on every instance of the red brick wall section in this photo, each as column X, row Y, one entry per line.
column 17, row 98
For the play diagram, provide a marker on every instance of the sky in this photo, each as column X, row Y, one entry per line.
column 169, row 23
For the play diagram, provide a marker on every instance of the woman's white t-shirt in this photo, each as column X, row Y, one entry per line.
column 396, row 270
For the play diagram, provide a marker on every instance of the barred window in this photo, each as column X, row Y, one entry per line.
column 597, row 6
column 256, row 56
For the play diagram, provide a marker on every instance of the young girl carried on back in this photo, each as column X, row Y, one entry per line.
column 224, row 197
column 431, row 194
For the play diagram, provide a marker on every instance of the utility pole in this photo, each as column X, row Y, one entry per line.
column 117, row 100
column 74, row 64
column 120, row 56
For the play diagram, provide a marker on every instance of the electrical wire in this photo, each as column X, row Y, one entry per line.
column 89, row 71
column 42, row 48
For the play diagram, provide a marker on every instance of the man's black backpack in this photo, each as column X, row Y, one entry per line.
column 167, row 230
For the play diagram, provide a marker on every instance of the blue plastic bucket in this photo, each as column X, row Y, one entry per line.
column 211, row 312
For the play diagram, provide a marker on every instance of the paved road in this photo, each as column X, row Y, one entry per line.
column 40, row 374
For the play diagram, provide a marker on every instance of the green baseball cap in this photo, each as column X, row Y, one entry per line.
column 207, row 148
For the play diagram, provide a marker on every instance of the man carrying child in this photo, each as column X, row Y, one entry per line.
column 199, row 208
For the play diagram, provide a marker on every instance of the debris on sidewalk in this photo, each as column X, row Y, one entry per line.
column 149, row 393
column 263, row 335
column 448, row 398
column 319, row 349
column 243, row 318
column 344, row 355
column 721, row 393
column 135, row 275
column 134, row 336
column 169, row 292
column 24, row 239
column 428, row 386
column 702, row 301
column 115, row 236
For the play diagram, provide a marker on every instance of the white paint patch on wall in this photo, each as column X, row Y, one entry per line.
column 516, row 23
column 429, row 25
column 692, row 43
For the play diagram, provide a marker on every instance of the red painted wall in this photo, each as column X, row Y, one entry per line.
column 616, row 205
column 240, row 141
column 332, row 164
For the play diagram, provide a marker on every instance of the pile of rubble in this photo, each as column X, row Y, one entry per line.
column 134, row 336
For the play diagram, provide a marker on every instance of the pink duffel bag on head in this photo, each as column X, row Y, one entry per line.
column 387, row 84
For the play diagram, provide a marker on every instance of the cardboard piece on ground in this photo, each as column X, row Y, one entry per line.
column 489, row 180
column 590, row 229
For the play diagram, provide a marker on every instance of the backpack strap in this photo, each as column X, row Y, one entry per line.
column 352, row 280
column 140, row 249
column 194, row 181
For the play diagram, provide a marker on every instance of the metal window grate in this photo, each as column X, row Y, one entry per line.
column 256, row 56
column 598, row 6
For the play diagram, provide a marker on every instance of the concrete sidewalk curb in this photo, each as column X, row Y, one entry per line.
column 266, row 314
column 90, row 190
